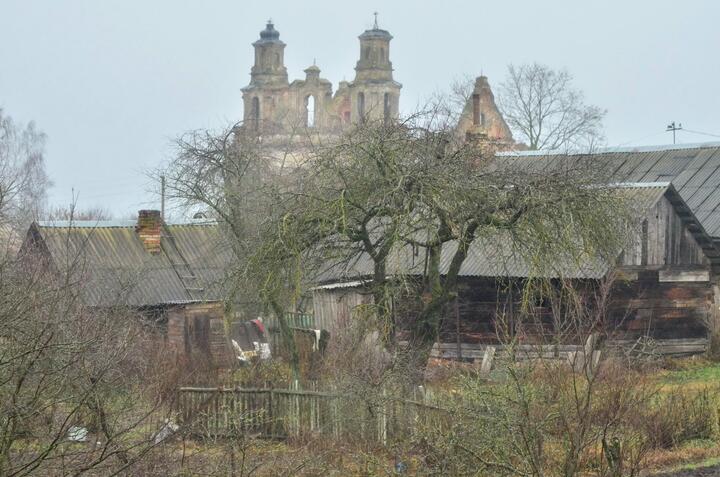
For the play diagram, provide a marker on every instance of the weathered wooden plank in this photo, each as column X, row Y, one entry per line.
column 684, row 276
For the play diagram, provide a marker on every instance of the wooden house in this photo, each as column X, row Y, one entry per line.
column 664, row 291
column 172, row 274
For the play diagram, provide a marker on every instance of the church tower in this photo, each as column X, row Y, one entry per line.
column 374, row 93
column 263, row 98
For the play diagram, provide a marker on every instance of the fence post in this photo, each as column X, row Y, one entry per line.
column 271, row 417
column 383, row 418
column 487, row 360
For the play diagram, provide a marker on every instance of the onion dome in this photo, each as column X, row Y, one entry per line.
column 269, row 34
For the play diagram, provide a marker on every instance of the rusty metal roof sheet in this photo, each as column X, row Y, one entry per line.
column 113, row 267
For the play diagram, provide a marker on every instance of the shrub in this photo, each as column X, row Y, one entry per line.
column 680, row 416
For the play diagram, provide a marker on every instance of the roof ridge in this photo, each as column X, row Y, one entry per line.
column 129, row 223
column 611, row 150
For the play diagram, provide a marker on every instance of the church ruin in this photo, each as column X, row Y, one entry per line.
column 275, row 106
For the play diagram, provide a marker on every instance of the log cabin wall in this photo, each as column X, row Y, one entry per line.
column 483, row 308
column 489, row 311
column 649, row 306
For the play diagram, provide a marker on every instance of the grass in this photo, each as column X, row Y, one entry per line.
column 689, row 374
column 699, row 465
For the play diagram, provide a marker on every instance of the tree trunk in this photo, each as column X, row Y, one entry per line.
column 383, row 305
column 287, row 338
column 427, row 327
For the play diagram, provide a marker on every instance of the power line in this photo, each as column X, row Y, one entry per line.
column 701, row 133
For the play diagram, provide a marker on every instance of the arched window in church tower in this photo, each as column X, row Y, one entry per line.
column 366, row 53
column 310, row 111
column 387, row 111
column 382, row 54
column 277, row 60
column 255, row 113
column 361, row 107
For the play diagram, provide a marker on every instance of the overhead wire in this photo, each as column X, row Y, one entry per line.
column 700, row 132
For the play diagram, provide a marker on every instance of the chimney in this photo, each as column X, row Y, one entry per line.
column 148, row 229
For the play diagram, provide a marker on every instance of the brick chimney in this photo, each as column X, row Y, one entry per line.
column 148, row 229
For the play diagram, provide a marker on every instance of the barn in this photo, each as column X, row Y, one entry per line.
column 665, row 286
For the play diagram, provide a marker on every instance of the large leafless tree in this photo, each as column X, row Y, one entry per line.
column 545, row 110
column 382, row 190
column 23, row 180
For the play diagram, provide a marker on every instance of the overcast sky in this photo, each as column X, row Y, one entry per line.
column 112, row 82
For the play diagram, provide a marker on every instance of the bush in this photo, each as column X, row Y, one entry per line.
column 679, row 416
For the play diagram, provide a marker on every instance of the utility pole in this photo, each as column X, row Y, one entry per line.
column 162, row 197
column 672, row 127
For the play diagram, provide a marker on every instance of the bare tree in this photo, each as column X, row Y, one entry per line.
column 23, row 180
column 233, row 176
column 544, row 109
column 383, row 192
column 78, row 385
column 71, row 214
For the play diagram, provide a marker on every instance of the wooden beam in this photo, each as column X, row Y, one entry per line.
column 684, row 276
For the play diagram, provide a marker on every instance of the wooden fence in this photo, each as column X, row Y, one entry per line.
column 280, row 413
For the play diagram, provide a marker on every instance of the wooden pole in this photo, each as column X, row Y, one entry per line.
column 457, row 328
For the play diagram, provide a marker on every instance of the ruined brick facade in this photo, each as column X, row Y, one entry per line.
column 275, row 106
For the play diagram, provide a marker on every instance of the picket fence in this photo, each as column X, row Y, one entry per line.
column 283, row 413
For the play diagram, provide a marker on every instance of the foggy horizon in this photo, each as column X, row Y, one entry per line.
column 112, row 83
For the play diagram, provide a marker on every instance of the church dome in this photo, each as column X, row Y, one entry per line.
column 376, row 32
column 269, row 33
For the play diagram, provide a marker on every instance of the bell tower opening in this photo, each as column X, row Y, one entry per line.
column 310, row 111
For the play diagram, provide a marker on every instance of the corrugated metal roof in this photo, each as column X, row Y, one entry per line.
column 694, row 170
column 499, row 254
column 114, row 267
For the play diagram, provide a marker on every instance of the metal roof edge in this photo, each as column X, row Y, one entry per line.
column 640, row 185
column 610, row 150
column 100, row 224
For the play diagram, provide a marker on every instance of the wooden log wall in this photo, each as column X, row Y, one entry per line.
column 643, row 306
column 661, row 310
